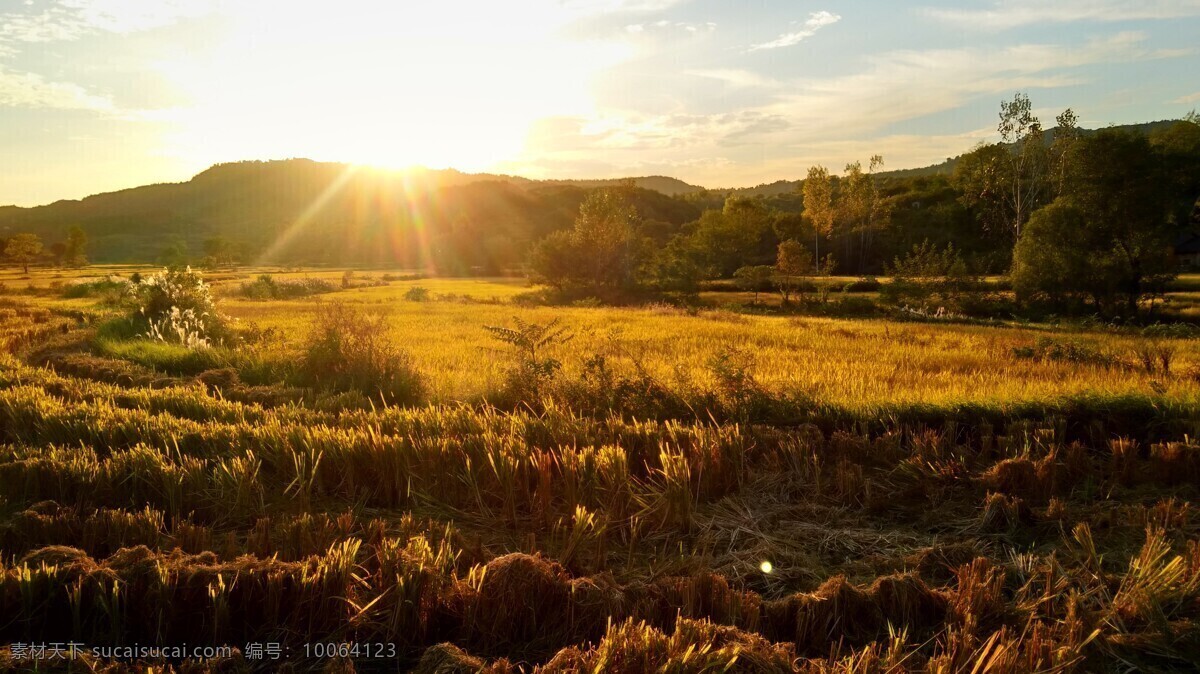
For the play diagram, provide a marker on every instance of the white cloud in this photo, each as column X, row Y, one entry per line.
column 1189, row 99
column 736, row 78
column 1013, row 13
column 831, row 120
column 28, row 90
column 816, row 21
column 66, row 20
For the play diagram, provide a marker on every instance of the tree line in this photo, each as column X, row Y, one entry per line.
column 24, row 249
column 1081, row 221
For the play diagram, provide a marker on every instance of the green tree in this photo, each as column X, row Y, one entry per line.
column 75, row 254
column 981, row 178
column 754, row 278
column 1064, row 151
column 793, row 262
column 1109, row 237
column 730, row 238
column 174, row 255
column 818, row 204
column 602, row 255
column 1025, row 191
column 22, row 249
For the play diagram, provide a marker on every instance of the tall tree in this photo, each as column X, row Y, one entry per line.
column 1064, row 150
column 1020, row 128
column 1109, row 236
column 23, row 249
column 75, row 254
column 818, row 204
column 602, row 255
column 859, row 206
column 792, row 263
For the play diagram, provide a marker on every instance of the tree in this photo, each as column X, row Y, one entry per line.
column 860, row 207
column 730, row 238
column 1064, row 150
column 928, row 274
column 1027, row 160
column 1109, row 237
column 23, row 249
column 818, row 204
column 75, row 254
column 602, row 255
column 792, row 263
column 174, row 255
column 754, row 278
column 58, row 251
column 981, row 178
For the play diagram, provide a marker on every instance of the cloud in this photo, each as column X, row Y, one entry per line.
column 816, row 21
column 1189, row 99
column 832, row 120
column 693, row 28
column 1013, row 13
column 29, row 90
column 736, row 78
column 68, row 20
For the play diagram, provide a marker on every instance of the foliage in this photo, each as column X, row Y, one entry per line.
column 928, row 278
column 755, row 279
column 603, row 255
column 267, row 287
column 534, row 370
column 349, row 350
column 1109, row 238
column 23, row 249
column 819, row 204
column 731, row 238
column 75, row 251
column 793, row 262
column 177, row 306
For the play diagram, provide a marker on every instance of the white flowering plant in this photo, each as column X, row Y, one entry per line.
column 178, row 307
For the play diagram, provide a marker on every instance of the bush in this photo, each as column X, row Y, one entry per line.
column 348, row 350
column 110, row 288
column 176, row 306
column 265, row 287
column 417, row 294
column 533, row 372
column 866, row 284
column 1048, row 349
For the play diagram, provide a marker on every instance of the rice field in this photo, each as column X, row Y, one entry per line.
column 687, row 491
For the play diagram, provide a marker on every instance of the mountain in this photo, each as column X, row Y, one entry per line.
column 302, row 210
column 944, row 168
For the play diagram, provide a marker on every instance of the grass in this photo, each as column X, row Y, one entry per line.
column 930, row 497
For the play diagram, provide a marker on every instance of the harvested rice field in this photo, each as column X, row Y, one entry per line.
column 377, row 472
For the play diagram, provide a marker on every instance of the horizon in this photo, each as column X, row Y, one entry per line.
column 100, row 95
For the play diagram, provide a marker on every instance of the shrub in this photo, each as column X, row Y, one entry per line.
column 1047, row 349
column 348, row 350
column 866, row 284
column 417, row 294
column 177, row 306
column 533, row 371
column 265, row 287
column 110, row 288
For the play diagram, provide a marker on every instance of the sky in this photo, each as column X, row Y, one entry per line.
column 99, row 95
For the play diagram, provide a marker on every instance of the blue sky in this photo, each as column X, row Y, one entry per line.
column 98, row 95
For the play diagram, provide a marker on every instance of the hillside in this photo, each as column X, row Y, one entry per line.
column 307, row 211
column 944, row 168
column 303, row 211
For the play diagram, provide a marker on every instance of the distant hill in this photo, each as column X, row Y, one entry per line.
column 298, row 210
column 669, row 186
column 302, row 210
column 944, row 168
